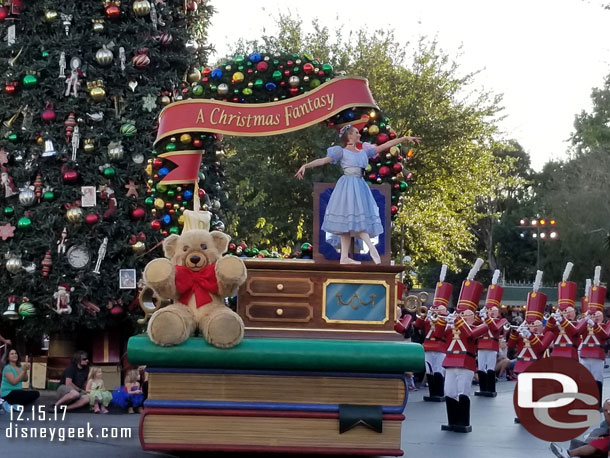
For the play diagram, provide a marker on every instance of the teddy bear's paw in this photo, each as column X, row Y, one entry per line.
column 159, row 270
column 171, row 325
column 224, row 329
column 230, row 268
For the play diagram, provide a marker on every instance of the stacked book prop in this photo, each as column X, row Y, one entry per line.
column 276, row 395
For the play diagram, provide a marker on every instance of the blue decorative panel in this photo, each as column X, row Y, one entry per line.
column 357, row 302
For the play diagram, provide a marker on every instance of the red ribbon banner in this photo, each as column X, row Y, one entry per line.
column 261, row 119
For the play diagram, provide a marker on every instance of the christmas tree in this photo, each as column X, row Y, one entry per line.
column 81, row 205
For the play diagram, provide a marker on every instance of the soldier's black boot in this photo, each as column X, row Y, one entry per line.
column 463, row 418
column 452, row 414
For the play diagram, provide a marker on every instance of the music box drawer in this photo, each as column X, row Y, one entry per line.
column 270, row 311
column 279, row 287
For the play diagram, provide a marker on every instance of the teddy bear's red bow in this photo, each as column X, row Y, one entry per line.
column 201, row 284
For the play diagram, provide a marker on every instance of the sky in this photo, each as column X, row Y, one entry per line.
column 543, row 56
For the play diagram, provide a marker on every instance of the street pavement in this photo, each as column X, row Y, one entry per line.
column 494, row 433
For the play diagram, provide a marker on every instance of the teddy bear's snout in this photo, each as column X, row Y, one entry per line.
column 195, row 259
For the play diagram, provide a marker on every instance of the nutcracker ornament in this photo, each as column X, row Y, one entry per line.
column 595, row 334
column 562, row 323
column 73, row 82
column 6, row 183
column 489, row 343
column 460, row 335
column 434, row 346
column 62, row 299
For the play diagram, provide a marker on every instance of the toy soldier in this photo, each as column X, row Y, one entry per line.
column 459, row 362
column 434, row 346
column 489, row 343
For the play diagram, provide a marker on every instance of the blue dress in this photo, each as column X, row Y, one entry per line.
column 351, row 207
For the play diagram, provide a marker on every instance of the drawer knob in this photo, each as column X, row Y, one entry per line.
column 279, row 312
column 280, row 287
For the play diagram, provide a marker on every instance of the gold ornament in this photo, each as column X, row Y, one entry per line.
column 138, row 247
column 149, row 170
column 141, row 8
column 96, row 90
column 74, row 215
column 98, row 25
column 193, row 75
column 400, row 176
column 89, row 145
column 394, row 150
column 50, row 15
column 373, row 130
column 185, row 139
column 181, row 220
column 164, row 100
column 159, row 203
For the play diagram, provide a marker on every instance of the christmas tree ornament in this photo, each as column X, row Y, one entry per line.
column 141, row 8
column 69, row 124
column 107, row 170
column 30, row 80
column 66, row 21
column 89, row 145
column 122, row 59
column 61, row 243
column 73, row 82
column 7, row 231
column 104, row 56
column 3, row 13
column 11, row 311
column 149, row 103
column 10, row 87
column 191, row 46
column 115, row 151
column 133, row 84
column 112, row 9
column 137, row 158
column 223, row 89
column 6, row 182
column 48, row 195
column 47, row 264
column 192, row 6
column 75, row 142
column 27, row 309
column 38, row 187
column 101, row 254
column 62, row 65
column 128, row 129
column 49, row 149
column 132, row 189
column 294, row 81
column 107, row 193
column 74, row 214
column 13, row 263
column 48, row 115
column 90, row 307
column 141, row 59
column 193, row 75
column 27, row 198
column 164, row 100
column 8, row 211
column 78, row 256
column 186, row 139
column 96, row 90
column 137, row 213
column 92, row 219
column 97, row 25
column 24, row 223
column 62, row 299
column 164, row 39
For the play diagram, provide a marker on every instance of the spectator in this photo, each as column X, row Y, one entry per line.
column 99, row 398
column 504, row 365
column 13, row 375
column 129, row 396
column 596, row 444
column 71, row 390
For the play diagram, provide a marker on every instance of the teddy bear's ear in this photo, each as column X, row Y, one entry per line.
column 221, row 240
column 169, row 245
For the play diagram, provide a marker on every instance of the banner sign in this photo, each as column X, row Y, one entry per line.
column 187, row 167
column 262, row 119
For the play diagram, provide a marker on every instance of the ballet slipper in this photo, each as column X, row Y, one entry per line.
column 348, row 261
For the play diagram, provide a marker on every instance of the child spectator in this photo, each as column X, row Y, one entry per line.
column 99, row 398
column 130, row 396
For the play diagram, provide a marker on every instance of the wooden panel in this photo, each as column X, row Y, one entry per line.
column 280, row 286
column 278, row 311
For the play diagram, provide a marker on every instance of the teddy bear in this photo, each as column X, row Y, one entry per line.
column 196, row 277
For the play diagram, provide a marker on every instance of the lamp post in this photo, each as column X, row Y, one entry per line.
column 543, row 229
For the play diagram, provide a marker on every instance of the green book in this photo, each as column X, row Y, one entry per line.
column 282, row 354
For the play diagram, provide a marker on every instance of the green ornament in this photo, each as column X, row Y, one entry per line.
column 30, row 81
column 170, row 147
column 249, row 64
column 327, row 68
column 394, row 197
column 154, row 152
column 307, row 56
column 213, row 88
column 171, row 193
column 276, row 62
column 45, row 53
column 258, row 84
column 198, row 90
column 24, row 223
column 403, row 186
column 247, row 91
column 382, row 125
column 236, row 91
column 306, row 246
column 295, row 69
column 128, row 129
column 240, row 68
column 161, row 187
column 109, row 172
column 149, row 201
column 254, row 251
column 9, row 211
column 174, row 230
column 277, row 75
column 48, row 196
column 314, row 83
column 239, row 59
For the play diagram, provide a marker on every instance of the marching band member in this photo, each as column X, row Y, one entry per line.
column 529, row 338
column 562, row 323
column 594, row 336
column 489, row 343
column 434, row 346
column 460, row 355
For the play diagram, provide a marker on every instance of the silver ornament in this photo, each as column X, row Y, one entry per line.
column 223, row 89
column 115, row 151
column 294, row 81
column 191, row 46
column 13, row 265
column 104, row 56
column 27, row 197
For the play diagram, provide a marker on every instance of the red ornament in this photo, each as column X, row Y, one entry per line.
column 10, row 87
column 92, row 218
column 48, row 115
column 232, row 246
column 164, row 233
column 201, row 193
column 3, row 13
column 157, row 163
column 164, row 39
column 262, row 66
column 294, row 91
column 155, row 225
column 113, row 11
column 392, row 135
column 69, row 124
column 70, row 176
column 396, row 186
column 116, row 310
column 384, row 171
column 206, row 72
column 397, row 168
column 168, row 205
column 47, row 263
column 286, row 72
column 141, row 59
column 372, row 176
column 382, row 138
column 308, row 68
column 197, row 143
column 192, row 6
column 394, row 210
column 38, row 186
